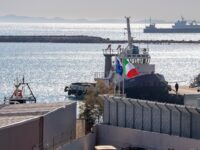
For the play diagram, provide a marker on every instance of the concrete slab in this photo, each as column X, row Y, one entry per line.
column 184, row 90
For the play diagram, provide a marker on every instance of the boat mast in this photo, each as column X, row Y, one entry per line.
column 129, row 32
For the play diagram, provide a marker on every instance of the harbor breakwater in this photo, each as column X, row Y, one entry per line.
column 83, row 39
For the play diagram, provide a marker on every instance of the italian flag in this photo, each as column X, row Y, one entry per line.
column 129, row 69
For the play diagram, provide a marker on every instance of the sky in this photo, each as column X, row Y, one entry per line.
column 103, row 9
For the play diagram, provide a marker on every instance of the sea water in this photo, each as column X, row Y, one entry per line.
column 49, row 67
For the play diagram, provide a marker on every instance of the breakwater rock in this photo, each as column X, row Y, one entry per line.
column 82, row 39
column 53, row 39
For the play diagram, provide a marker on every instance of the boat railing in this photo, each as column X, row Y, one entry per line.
column 100, row 75
column 112, row 52
column 139, row 59
column 136, row 56
column 118, row 51
column 18, row 100
column 144, row 51
column 139, row 50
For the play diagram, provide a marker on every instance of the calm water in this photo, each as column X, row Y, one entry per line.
column 106, row 30
column 49, row 67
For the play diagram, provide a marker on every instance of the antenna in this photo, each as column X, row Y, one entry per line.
column 150, row 20
column 23, row 79
column 129, row 32
column 182, row 18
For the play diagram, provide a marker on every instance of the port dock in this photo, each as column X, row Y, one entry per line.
column 191, row 96
column 184, row 90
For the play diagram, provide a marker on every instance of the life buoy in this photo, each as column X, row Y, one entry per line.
column 20, row 93
column 66, row 89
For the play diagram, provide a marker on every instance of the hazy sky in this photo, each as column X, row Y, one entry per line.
column 102, row 9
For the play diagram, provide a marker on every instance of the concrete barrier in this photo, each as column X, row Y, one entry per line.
column 84, row 143
column 126, row 137
column 165, row 118
column 42, row 130
column 22, row 136
column 59, row 126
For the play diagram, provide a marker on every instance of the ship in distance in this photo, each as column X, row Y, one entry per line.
column 180, row 26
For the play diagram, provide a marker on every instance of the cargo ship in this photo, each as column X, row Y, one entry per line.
column 180, row 26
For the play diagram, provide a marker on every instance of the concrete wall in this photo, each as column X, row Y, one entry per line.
column 59, row 126
column 170, row 119
column 156, row 120
column 80, row 128
column 192, row 100
column 84, row 143
column 44, row 132
column 113, row 114
column 22, row 136
column 124, row 137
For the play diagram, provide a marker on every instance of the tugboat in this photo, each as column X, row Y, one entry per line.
column 19, row 95
column 148, row 85
column 78, row 89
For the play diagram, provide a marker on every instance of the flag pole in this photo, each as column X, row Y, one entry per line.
column 115, row 77
column 123, row 77
column 119, row 86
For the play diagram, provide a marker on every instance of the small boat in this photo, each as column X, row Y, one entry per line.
column 78, row 89
column 20, row 95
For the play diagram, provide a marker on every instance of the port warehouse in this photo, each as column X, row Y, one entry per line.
column 36, row 126
column 126, row 122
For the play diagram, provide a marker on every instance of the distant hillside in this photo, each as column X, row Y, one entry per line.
column 26, row 19
column 153, row 21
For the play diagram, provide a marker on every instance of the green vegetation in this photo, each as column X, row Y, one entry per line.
column 196, row 81
column 92, row 108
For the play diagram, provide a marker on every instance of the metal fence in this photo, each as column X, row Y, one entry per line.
column 151, row 116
